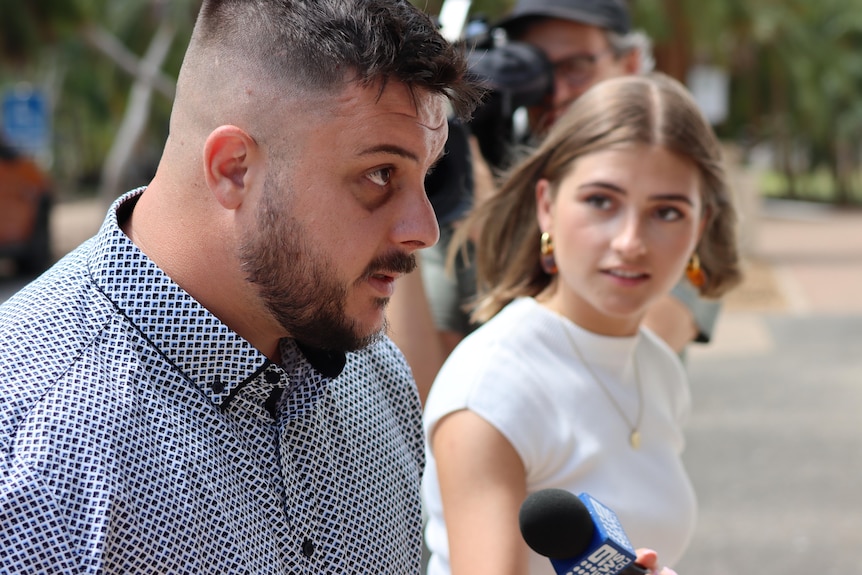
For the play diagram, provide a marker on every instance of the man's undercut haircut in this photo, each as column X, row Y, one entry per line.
column 319, row 45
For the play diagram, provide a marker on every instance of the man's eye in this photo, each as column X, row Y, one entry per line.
column 381, row 177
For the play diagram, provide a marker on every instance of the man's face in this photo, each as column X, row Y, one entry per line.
column 581, row 56
column 340, row 217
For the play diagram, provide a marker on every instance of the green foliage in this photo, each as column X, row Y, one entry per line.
column 24, row 26
column 795, row 68
column 812, row 186
column 46, row 39
column 493, row 9
column 796, row 72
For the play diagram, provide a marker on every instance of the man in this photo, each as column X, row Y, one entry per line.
column 585, row 42
column 203, row 387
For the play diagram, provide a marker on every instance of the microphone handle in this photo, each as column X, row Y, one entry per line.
column 634, row 569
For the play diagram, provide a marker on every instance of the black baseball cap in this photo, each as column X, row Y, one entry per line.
column 610, row 14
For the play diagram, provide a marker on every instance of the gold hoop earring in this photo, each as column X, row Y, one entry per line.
column 549, row 264
column 694, row 272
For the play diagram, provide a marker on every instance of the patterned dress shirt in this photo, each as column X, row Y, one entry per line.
column 139, row 434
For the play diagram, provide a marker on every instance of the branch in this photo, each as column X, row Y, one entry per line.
column 109, row 45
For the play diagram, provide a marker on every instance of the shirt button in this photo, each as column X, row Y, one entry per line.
column 308, row 548
column 218, row 385
column 272, row 376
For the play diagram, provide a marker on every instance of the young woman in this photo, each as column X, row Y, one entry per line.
column 561, row 386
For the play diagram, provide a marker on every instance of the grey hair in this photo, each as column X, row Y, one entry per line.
column 622, row 44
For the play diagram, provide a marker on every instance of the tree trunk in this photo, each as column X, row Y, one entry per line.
column 842, row 170
column 781, row 134
column 673, row 54
column 110, row 46
column 137, row 113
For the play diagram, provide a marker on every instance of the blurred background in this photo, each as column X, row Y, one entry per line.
column 775, row 441
column 781, row 80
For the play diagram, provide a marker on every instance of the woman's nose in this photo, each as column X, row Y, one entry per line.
column 629, row 239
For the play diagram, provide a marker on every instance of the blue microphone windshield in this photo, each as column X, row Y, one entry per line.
column 577, row 533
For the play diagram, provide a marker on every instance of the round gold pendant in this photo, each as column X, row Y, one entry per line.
column 635, row 439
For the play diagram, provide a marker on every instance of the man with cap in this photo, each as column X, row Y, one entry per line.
column 585, row 42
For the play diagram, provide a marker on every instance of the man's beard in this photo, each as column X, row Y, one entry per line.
column 297, row 283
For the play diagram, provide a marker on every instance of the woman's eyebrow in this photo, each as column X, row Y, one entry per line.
column 668, row 197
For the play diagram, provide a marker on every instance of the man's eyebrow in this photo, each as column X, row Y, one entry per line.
column 390, row 149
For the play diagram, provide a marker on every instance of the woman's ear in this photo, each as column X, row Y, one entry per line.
column 701, row 226
column 228, row 155
column 544, row 205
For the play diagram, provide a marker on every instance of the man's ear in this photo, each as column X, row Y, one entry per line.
column 228, row 154
column 632, row 62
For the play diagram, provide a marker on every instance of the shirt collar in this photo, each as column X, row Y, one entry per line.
column 214, row 358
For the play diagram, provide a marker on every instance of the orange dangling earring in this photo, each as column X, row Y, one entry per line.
column 549, row 264
column 694, row 272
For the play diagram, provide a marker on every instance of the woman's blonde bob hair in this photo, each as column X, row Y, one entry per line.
column 651, row 109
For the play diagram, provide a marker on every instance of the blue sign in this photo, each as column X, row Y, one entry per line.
column 25, row 121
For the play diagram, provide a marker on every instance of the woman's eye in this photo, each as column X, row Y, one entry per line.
column 599, row 201
column 381, row 177
column 669, row 214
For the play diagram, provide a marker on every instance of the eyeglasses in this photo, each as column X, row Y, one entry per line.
column 578, row 69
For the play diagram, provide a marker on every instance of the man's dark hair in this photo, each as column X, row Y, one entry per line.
column 315, row 43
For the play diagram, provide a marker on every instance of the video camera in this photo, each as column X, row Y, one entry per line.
column 516, row 75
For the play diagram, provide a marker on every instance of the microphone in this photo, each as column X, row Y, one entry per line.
column 577, row 533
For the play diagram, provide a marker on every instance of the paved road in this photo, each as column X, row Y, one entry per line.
column 775, row 452
column 775, row 439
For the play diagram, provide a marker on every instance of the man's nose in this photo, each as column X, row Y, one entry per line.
column 417, row 225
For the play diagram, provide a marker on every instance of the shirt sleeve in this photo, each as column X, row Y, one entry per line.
column 34, row 534
column 705, row 311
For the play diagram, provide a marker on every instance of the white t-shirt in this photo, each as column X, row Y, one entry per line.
column 520, row 373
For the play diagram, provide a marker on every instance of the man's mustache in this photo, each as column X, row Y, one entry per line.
column 391, row 264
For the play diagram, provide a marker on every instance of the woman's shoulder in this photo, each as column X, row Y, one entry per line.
column 657, row 352
column 520, row 331
column 505, row 360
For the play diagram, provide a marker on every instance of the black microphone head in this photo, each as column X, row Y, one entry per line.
column 555, row 523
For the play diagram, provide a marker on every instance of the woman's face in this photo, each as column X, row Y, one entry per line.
column 624, row 223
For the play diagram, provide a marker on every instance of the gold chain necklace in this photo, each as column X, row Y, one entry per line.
column 634, row 432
